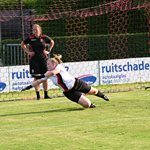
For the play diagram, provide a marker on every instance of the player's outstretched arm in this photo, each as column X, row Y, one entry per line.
column 35, row 83
column 43, row 78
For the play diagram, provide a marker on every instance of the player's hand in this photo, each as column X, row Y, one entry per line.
column 45, row 52
column 31, row 53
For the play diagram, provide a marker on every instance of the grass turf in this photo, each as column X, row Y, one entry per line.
column 59, row 124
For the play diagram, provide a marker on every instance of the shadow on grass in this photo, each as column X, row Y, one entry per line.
column 47, row 111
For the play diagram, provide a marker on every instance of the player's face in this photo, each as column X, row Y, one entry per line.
column 51, row 65
column 36, row 31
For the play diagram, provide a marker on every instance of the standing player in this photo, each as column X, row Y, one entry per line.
column 73, row 88
column 38, row 54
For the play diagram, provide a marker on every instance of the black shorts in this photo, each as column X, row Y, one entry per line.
column 37, row 67
column 79, row 88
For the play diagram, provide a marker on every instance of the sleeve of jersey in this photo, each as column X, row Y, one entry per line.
column 47, row 39
column 26, row 41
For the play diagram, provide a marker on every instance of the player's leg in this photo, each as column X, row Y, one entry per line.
column 34, row 71
column 79, row 98
column 98, row 93
column 85, row 102
column 37, row 90
column 45, row 87
column 43, row 69
column 83, row 87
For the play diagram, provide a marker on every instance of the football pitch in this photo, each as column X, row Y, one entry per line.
column 123, row 123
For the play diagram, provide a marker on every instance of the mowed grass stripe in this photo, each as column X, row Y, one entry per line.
column 59, row 124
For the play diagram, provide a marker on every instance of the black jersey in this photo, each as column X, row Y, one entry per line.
column 37, row 45
column 38, row 61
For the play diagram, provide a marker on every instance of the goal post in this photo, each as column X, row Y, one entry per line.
column 108, row 39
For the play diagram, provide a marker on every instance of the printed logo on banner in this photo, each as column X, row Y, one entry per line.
column 2, row 86
column 88, row 78
column 124, row 71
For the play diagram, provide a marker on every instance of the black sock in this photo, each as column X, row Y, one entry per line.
column 46, row 94
column 100, row 94
column 38, row 94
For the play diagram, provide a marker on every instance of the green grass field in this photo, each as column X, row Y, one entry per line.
column 59, row 124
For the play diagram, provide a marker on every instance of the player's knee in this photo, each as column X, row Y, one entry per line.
column 93, row 91
column 86, row 104
column 84, row 101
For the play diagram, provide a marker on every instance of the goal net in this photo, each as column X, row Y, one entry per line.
column 106, row 43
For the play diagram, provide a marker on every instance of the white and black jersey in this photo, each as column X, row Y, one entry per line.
column 72, row 87
column 63, row 79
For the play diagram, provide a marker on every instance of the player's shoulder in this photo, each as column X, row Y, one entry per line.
column 60, row 66
column 44, row 36
column 31, row 36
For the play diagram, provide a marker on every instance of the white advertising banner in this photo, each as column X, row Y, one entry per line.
column 15, row 78
column 125, row 71
column 19, row 77
column 4, row 79
column 144, row 69
column 87, row 71
column 119, row 71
